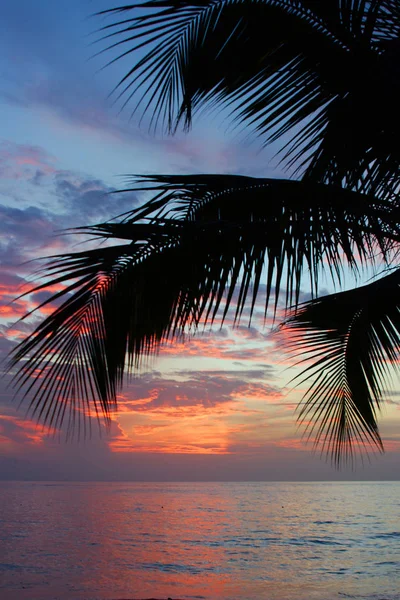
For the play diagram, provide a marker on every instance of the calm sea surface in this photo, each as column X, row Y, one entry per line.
column 223, row 541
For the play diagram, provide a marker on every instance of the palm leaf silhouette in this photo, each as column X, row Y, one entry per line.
column 352, row 339
column 190, row 247
column 323, row 72
column 322, row 78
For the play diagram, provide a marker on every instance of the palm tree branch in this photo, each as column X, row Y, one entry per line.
column 335, row 71
column 216, row 237
column 352, row 340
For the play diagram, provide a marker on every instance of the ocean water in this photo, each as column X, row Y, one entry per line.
column 217, row 541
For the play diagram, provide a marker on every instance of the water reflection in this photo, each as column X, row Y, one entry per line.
column 217, row 541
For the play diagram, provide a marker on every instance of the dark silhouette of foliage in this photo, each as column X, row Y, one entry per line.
column 324, row 73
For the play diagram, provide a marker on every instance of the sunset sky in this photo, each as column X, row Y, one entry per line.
column 218, row 407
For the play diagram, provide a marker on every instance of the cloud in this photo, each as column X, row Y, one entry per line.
column 70, row 197
column 26, row 226
column 229, row 346
column 89, row 200
column 14, row 431
column 24, row 161
column 150, row 393
column 28, row 231
column 267, row 371
column 73, row 199
column 195, row 412
column 23, row 236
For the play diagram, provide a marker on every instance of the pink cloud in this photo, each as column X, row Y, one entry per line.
column 16, row 434
column 17, row 161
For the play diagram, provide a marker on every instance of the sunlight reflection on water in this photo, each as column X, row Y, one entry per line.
column 218, row 541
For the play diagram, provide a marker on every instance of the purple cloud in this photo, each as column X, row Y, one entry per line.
column 90, row 199
column 205, row 388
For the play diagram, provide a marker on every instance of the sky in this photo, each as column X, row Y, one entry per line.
column 217, row 407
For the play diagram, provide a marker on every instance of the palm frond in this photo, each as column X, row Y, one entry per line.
column 189, row 249
column 223, row 50
column 323, row 72
column 73, row 363
column 353, row 341
column 291, row 226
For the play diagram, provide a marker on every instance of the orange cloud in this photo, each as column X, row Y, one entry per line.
column 207, row 413
column 196, row 434
column 17, row 433
column 15, row 310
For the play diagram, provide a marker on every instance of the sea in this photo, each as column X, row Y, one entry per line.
column 211, row 541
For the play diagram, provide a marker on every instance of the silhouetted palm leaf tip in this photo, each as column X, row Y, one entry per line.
column 323, row 75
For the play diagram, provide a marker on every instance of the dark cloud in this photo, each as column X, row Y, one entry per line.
column 10, row 280
column 80, row 198
column 38, row 178
column 267, row 372
column 24, row 235
column 206, row 388
column 90, row 200
column 40, row 297
column 28, row 225
column 203, row 390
